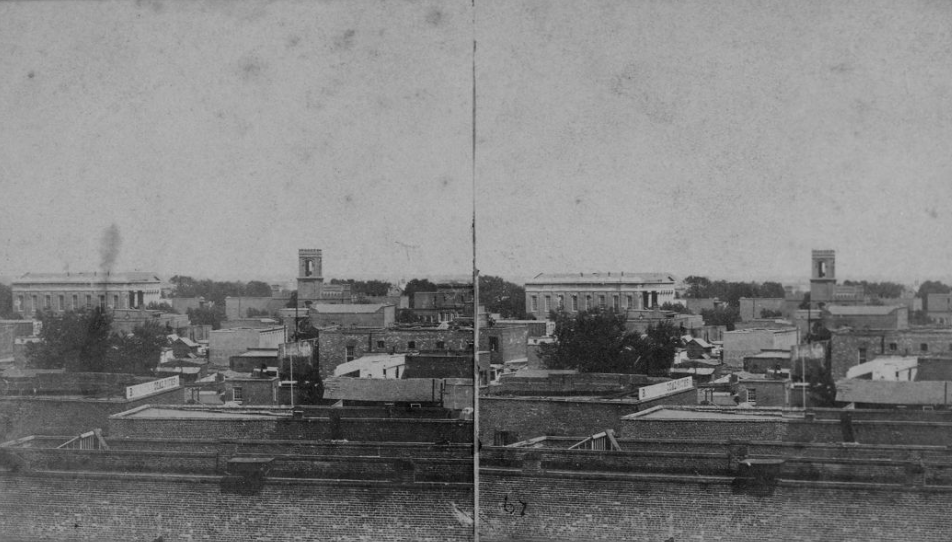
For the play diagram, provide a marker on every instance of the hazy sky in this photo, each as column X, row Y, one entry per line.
column 717, row 138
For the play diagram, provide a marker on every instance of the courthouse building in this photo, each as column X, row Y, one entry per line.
column 60, row 292
column 576, row 292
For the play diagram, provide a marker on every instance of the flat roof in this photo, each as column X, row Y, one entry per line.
column 151, row 412
column 722, row 414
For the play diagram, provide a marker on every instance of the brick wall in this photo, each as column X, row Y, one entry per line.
column 572, row 384
column 703, row 429
column 113, row 507
column 22, row 416
column 532, row 417
column 333, row 344
column 846, row 346
column 364, row 430
column 656, row 508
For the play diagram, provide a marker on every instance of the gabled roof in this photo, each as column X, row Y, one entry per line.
column 702, row 343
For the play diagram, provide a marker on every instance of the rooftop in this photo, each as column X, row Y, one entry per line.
column 602, row 278
column 329, row 308
column 862, row 310
column 86, row 278
column 886, row 392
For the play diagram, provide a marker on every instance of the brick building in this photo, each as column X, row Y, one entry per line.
column 340, row 345
column 449, row 302
column 225, row 343
column 350, row 315
column 852, row 347
column 741, row 343
column 577, row 292
column 862, row 317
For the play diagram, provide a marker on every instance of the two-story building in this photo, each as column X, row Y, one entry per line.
column 583, row 291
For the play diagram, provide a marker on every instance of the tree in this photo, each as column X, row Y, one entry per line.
column 6, row 302
column 309, row 386
column 161, row 306
column 256, row 288
column 75, row 341
column 207, row 316
column 137, row 352
column 676, row 307
column 500, row 296
column 406, row 316
column 659, row 348
column 597, row 340
column 417, row 285
column 698, row 287
column 721, row 316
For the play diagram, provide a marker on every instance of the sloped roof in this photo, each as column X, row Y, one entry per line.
column 886, row 392
column 623, row 277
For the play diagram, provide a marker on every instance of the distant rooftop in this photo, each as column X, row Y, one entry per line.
column 330, row 308
column 86, row 278
column 602, row 278
column 862, row 310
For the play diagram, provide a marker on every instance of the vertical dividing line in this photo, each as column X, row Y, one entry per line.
column 475, row 304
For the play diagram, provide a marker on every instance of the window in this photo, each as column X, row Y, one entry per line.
column 631, row 302
column 561, row 302
column 601, row 301
column 588, row 302
column 89, row 301
column 893, row 347
column 34, row 306
column 440, row 345
column 615, row 304
column 350, row 353
column 115, row 301
column 924, row 347
column 62, row 302
column 75, row 301
column 411, row 345
column 380, row 344
column 535, row 304
column 49, row 302
column 494, row 344
column 862, row 354
column 236, row 394
column 575, row 303
column 751, row 395
column 20, row 302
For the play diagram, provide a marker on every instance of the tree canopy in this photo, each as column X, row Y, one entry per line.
column 731, row 292
column 417, row 285
column 931, row 287
column 501, row 296
column 217, row 291
column 721, row 316
column 371, row 288
column 80, row 341
column 597, row 340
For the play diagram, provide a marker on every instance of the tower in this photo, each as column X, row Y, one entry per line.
column 823, row 276
column 310, row 280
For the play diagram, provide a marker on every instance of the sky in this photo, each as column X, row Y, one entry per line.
column 726, row 139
